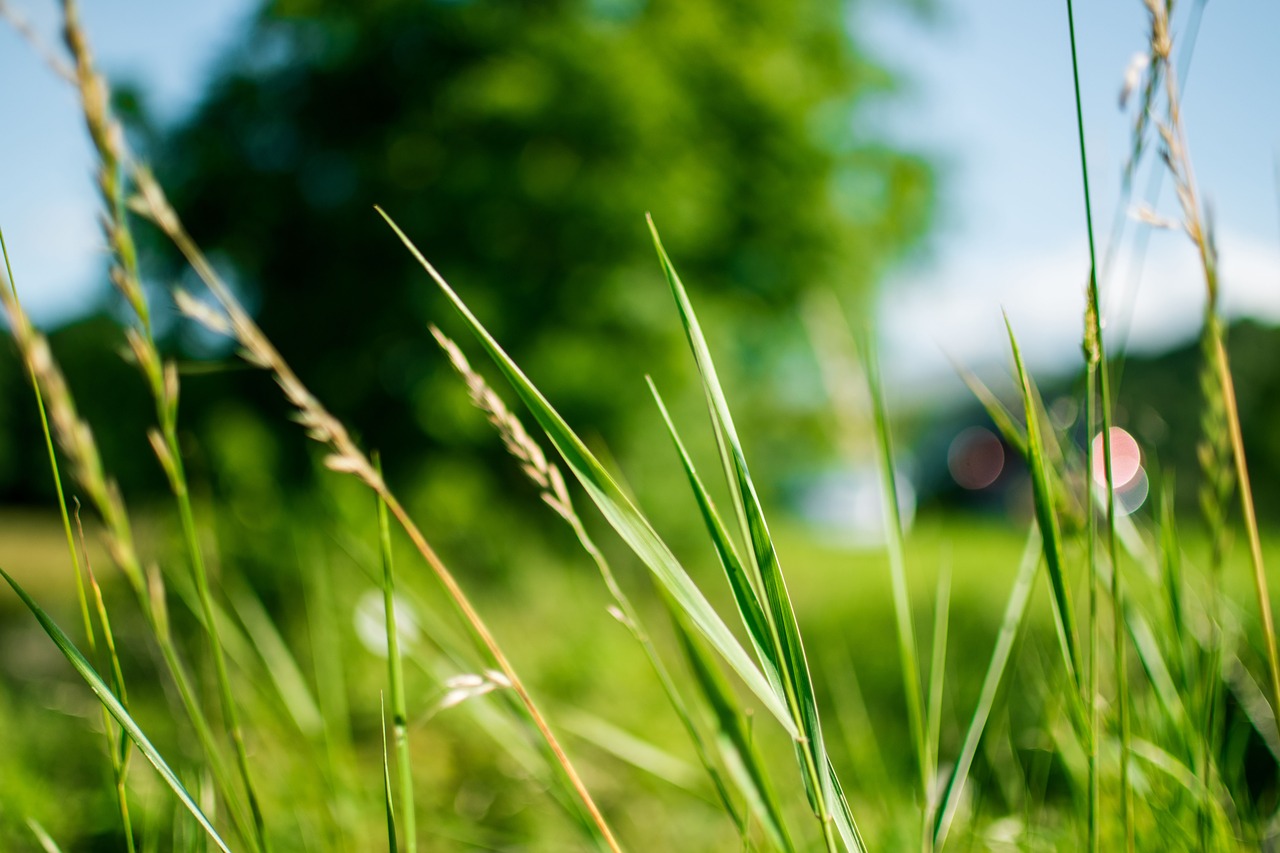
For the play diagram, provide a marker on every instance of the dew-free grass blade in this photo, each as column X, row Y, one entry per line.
column 1014, row 613
column 387, row 797
column 1016, row 436
column 395, row 676
column 996, row 410
column 47, row 844
column 741, row 757
column 112, row 704
column 280, row 664
column 617, row 508
column 1047, row 518
column 908, row 651
column 744, row 593
column 937, row 681
column 786, row 647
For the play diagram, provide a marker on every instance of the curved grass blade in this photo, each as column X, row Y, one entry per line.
column 47, row 844
column 617, row 508
column 785, row 645
column 112, row 704
column 1050, row 534
column 388, row 797
column 1014, row 612
column 908, row 650
column 744, row 593
column 741, row 757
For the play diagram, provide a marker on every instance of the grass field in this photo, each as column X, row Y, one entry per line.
column 198, row 678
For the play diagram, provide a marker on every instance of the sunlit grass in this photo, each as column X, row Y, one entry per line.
column 755, row 690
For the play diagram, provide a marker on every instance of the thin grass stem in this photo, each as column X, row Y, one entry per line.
column 345, row 458
column 162, row 380
column 117, row 756
column 1095, row 354
column 395, row 676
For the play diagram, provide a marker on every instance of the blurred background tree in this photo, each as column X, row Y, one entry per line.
column 520, row 144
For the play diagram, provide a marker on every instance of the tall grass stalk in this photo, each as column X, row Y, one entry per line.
column 908, row 652
column 1097, row 385
column 395, row 677
column 162, row 379
column 345, row 457
column 80, row 448
column 1178, row 160
column 116, row 742
column 550, row 482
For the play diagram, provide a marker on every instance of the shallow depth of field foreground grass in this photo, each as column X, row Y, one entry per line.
column 309, row 672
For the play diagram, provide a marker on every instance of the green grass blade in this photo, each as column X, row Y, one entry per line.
column 388, row 797
column 1014, row 613
column 785, row 641
column 844, row 821
column 744, row 593
column 632, row 749
column 280, row 664
column 47, row 844
column 617, row 508
column 743, row 760
column 908, row 651
column 112, row 704
column 395, row 675
column 996, row 410
column 1047, row 518
column 937, row 681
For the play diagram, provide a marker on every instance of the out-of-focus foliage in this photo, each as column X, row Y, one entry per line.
column 520, row 144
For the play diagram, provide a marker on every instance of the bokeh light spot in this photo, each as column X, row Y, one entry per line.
column 975, row 458
column 1126, row 459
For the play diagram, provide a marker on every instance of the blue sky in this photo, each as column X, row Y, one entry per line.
column 991, row 97
column 987, row 93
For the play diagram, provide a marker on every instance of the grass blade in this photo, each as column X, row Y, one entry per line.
column 744, row 593
column 733, row 736
column 908, row 652
column 395, row 675
column 786, row 647
column 47, row 844
column 937, row 680
column 1050, row 534
column 1014, row 612
column 388, row 798
column 112, row 704
column 616, row 507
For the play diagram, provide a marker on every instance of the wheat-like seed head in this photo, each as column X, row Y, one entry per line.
column 74, row 436
column 545, row 475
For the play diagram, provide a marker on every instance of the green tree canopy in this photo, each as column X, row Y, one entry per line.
column 520, row 144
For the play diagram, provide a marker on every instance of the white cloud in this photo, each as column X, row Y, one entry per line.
column 953, row 311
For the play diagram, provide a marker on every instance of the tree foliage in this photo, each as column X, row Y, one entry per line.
column 520, row 144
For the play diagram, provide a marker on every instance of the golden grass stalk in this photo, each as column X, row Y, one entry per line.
column 108, row 141
column 552, row 489
column 1177, row 159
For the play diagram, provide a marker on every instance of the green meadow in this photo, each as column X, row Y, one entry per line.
column 244, row 612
